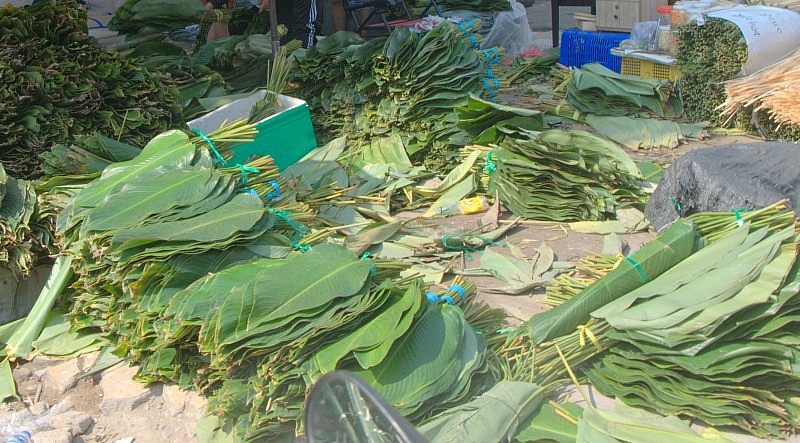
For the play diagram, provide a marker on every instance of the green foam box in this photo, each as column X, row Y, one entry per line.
column 286, row 136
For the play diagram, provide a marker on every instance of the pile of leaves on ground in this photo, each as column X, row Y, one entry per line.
column 633, row 111
column 215, row 277
column 475, row 5
column 668, row 329
column 25, row 226
column 406, row 85
column 551, row 174
column 57, row 84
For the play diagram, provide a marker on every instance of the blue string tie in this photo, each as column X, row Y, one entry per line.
column 491, row 165
column 245, row 170
column 639, row 269
column 276, row 193
column 433, row 298
column 739, row 219
column 218, row 157
column 458, row 289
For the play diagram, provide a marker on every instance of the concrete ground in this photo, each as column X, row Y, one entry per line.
column 540, row 20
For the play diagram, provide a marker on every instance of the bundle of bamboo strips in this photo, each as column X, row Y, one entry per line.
column 794, row 5
column 775, row 90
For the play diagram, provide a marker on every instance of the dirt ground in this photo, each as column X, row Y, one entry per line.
column 157, row 419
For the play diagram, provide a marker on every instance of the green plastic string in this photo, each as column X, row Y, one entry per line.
column 491, row 165
column 739, row 219
column 284, row 215
column 245, row 170
column 219, row 158
column 639, row 269
column 468, row 250
column 675, row 202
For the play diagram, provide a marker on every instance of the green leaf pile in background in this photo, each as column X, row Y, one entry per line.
column 562, row 175
column 57, row 85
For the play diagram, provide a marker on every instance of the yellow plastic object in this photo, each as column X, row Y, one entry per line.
column 472, row 205
column 650, row 69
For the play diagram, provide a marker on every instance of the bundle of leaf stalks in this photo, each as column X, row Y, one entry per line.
column 26, row 227
column 709, row 55
column 561, row 175
column 655, row 340
column 151, row 16
column 57, row 85
column 523, row 69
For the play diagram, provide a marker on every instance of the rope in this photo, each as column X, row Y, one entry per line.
column 219, row 158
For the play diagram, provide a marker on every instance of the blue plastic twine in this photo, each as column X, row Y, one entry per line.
column 277, row 190
column 21, row 437
column 219, row 158
column 491, row 165
column 639, row 269
column 458, row 289
column 739, row 219
column 433, row 298
column 245, row 170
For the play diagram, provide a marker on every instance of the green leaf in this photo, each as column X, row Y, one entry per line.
column 20, row 343
column 152, row 194
column 547, row 425
column 655, row 257
column 8, row 388
column 238, row 215
column 492, row 417
column 373, row 333
column 373, row 234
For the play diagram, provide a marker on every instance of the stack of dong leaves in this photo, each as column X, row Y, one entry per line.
column 698, row 323
column 209, row 277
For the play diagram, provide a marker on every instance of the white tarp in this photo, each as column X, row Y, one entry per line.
column 771, row 33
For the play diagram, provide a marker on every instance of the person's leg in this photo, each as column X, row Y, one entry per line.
column 305, row 16
column 337, row 12
column 284, row 9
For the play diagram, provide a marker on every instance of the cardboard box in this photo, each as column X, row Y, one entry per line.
column 286, row 136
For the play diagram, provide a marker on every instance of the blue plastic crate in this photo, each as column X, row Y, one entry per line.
column 581, row 47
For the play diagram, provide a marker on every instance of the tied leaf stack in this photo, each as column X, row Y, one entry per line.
column 413, row 83
column 561, row 175
column 25, row 226
column 150, row 16
column 57, row 85
column 215, row 277
column 668, row 330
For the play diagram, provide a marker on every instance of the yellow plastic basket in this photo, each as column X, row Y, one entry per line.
column 650, row 69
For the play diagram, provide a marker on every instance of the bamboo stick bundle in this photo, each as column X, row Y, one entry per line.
column 775, row 90
column 794, row 5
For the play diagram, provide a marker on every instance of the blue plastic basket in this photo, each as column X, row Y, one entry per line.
column 581, row 47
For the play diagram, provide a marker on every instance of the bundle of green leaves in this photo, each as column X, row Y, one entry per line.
column 696, row 342
column 25, row 226
column 57, row 84
column 598, row 90
column 151, row 16
column 413, row 84
column 203, row 276
column 562, row 175
column 476, row 5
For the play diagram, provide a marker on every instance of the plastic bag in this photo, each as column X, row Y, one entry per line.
column 511, row 31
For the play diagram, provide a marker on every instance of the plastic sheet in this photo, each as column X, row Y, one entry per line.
column 511, row 31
